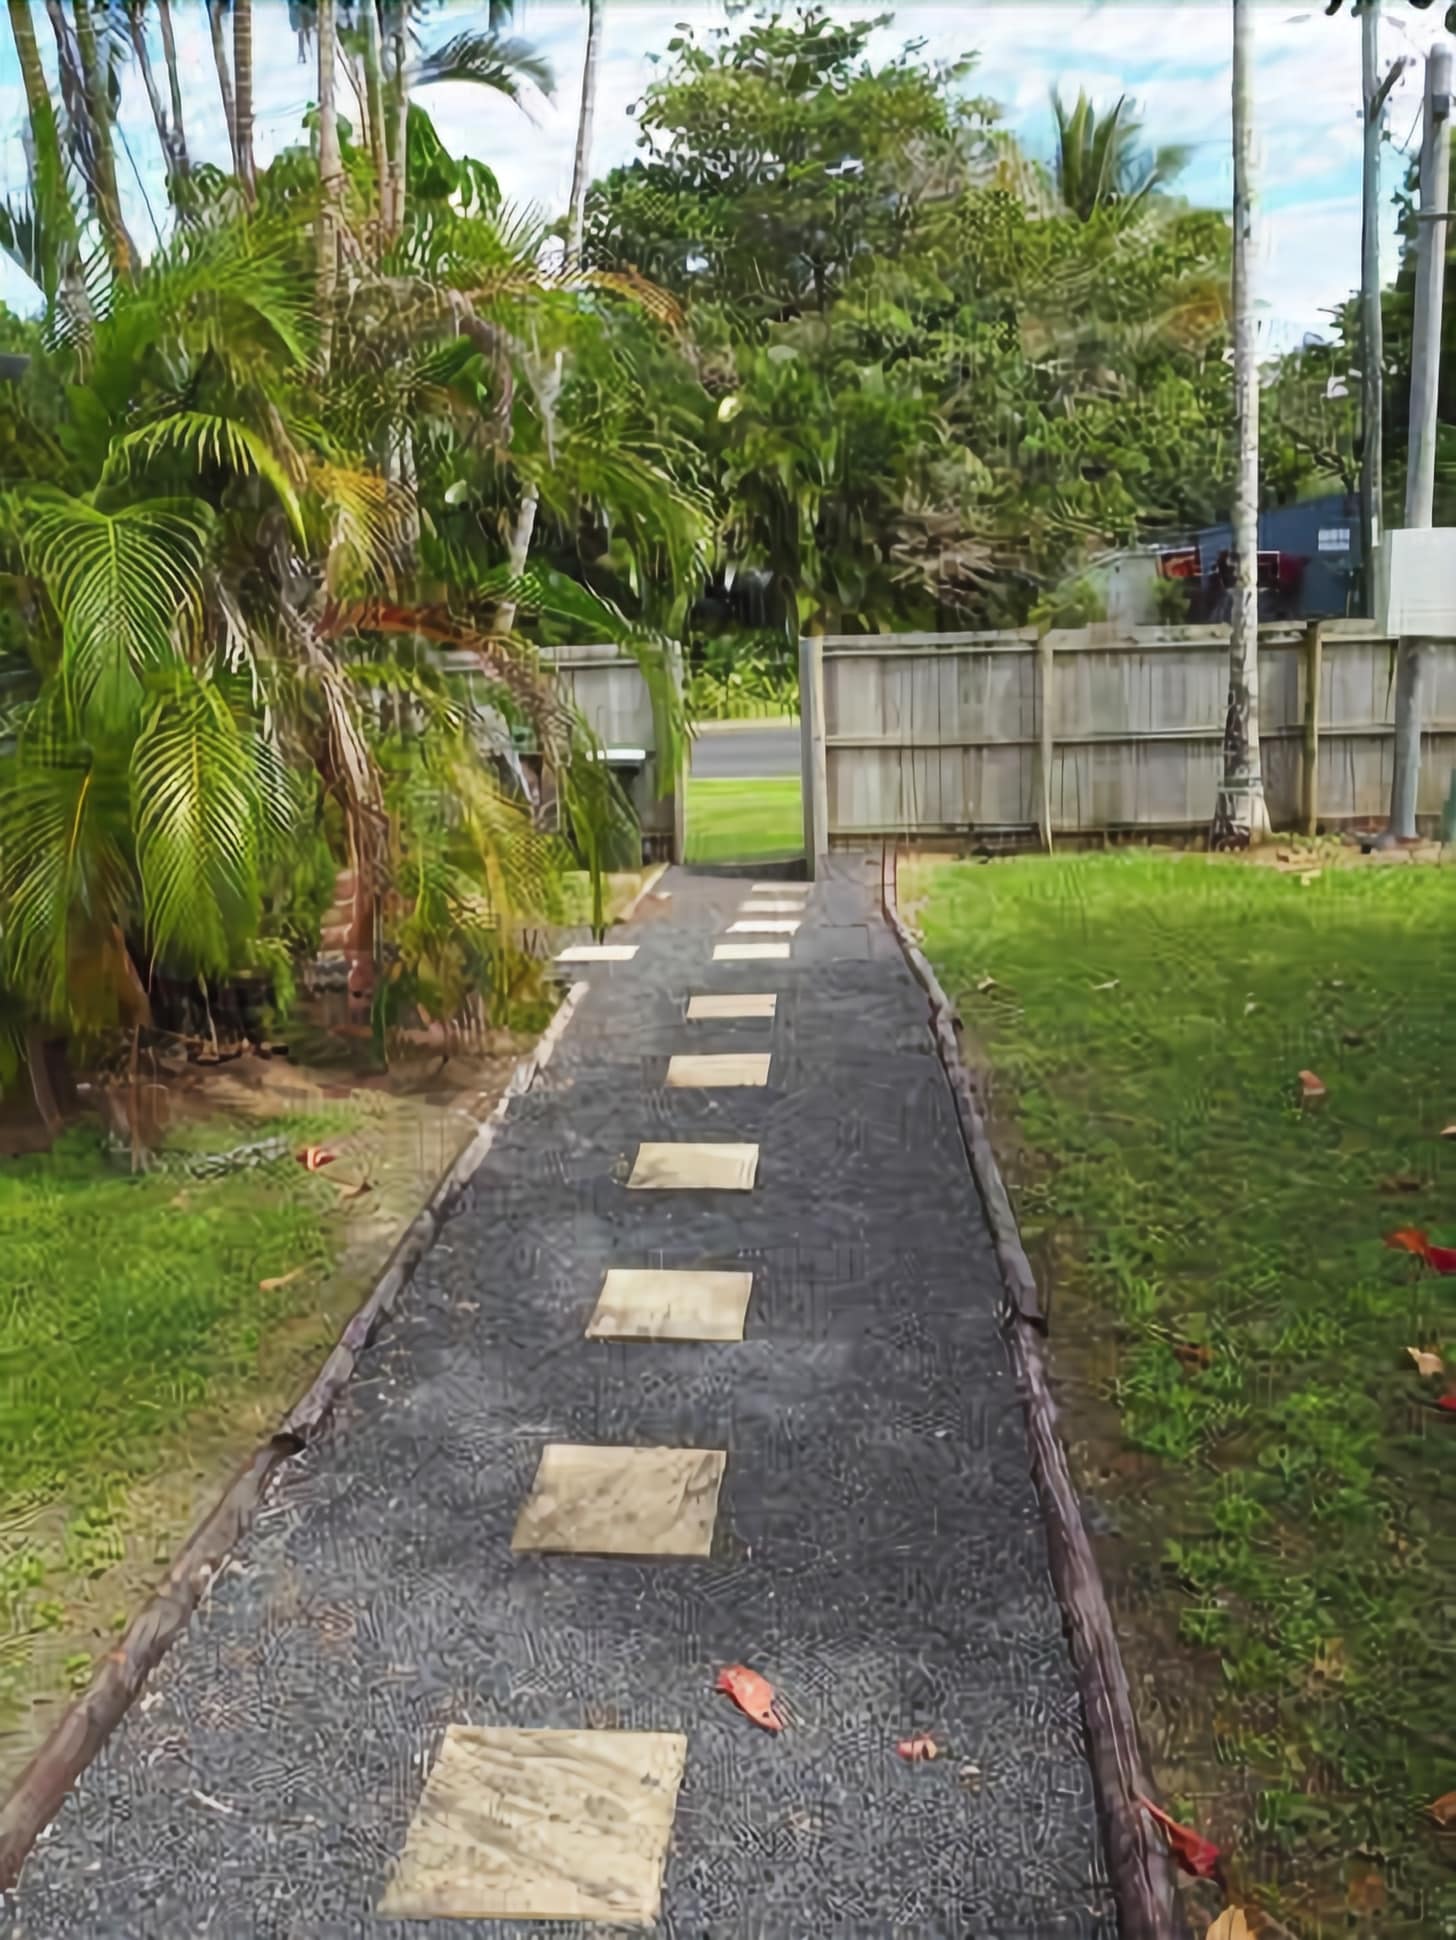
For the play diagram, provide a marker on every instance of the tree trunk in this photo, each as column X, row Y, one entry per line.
column 181, row 165
column 1240, row 815
column 137, row 26
column 331, row 180
column 581, row 168
column 374, row 116
column 396, row 111
column 120, row 250
column 224, row 78
column 48, row 162
column 243, row 87
column 37, row 1059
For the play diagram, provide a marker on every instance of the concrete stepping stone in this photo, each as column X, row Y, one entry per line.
column 597, row 953
column 666, row 1303
column 750, row 952
column 718, row 1068
column 682, row 1165
column 706, row 1008
column 770, row 906
column 764, row 926
column 541, row 1825
column 590, row 1500
column 781, row 889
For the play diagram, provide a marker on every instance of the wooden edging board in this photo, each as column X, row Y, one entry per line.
column 1137, row 1859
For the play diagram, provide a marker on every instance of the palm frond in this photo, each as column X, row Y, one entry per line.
column 207, row 439
column 198, row 809
column 505, row 66
column 126, row 584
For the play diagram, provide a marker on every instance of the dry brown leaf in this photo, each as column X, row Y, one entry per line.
column 918, row 1750
column 283, row 1280
column 1366, row 1893
column 1311, row 1087
column 1448, row 1131
column 1231, row 1924
column 1426, row 1362
column 357, row 1190
column 1194, row 1355
column 1403, row 1182
column 1443, row 1809
column 986, row 983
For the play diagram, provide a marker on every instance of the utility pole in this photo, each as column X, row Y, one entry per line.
column 1240, row 815
column 1420, row 477
column 1374, row 95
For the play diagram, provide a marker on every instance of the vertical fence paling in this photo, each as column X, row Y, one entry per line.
column 1097, row 729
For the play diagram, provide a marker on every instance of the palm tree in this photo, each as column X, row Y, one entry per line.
column 224, row 78
column 1240, row 815
column 581, row 165
column 169, row 132
column 1101, row 162
column 243, row 85
column 45, row 247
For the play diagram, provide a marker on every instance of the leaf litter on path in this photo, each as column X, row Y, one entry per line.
column 753, row 1694
column 1194, row 1853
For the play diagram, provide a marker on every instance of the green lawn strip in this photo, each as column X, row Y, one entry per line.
column 744, row 821
column 1288, row 1535
column 132, row 1330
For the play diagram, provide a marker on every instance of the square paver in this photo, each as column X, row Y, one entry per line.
column 781, row 888
column 681, row 1165
column 666, row 1303
column 541, row 1825
column 756, row 1003
column 771, row 906
column 750, row 952
column 597, row 953
column 718, row 1068
column 764, row 926
column 589, row 1500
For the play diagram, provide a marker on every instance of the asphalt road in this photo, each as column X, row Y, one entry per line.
column 750, row 749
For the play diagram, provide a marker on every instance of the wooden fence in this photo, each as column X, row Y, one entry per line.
column 606, row 686
column 1101, row 731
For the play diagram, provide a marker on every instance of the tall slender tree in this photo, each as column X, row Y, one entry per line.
column 331, row 179
column 243, row 95
column 1240, row 815
column 181, row 162
column 224, row 78
column 53, row 252
column 581, row 166
column 120, row 250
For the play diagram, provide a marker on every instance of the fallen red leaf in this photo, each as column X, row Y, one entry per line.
column 1447, row 1403
column 754, row 1695
column 1410, row 1239
column 313, row 1157
column 1311, row 1087
column 916, row 1751
column 1195, row 1854
column 1443, row 1809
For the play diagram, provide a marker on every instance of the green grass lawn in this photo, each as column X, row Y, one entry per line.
column 139, row 1355
column 744, row 821
column 1230, row 1334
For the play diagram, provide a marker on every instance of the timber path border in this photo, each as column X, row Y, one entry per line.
column 710, row 1368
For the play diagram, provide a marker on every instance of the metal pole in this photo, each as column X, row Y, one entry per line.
column 1420, row 477
column 1372, row 346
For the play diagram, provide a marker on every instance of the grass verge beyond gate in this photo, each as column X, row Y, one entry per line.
column 1269, row 1478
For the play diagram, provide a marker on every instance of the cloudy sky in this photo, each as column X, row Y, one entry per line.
column 1174, row 60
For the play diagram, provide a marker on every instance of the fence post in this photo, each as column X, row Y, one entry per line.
column 815, row 782
column 678, row 852
column 1314, row 650
column 1044, row 653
